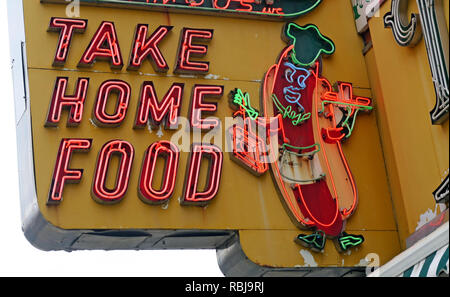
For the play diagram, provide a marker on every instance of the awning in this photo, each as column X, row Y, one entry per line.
column 431, row 266
column 428, row 257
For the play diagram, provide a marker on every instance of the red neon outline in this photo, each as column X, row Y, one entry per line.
column 187, row 49
column 250, row 145
column 106, row 33
column 150, row 110
column 146, row 191
column 218, row 7
column 275, row 164
column 123, row 90
column 332, row 135
column 60, row 101
column 148, row 48
column 251, row 141
column 193, row 3
column 345, row 213
column 199, row 92
column 66, row 28
column 198, row 152
column 361, row 101
column 62, row 174
column 99, row 191
column 245, row 3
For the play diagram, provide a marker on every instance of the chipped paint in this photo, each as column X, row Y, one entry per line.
column 212, row 76
column 308, row 259
column 429, row 215
column 362, row 263
column 160, row 132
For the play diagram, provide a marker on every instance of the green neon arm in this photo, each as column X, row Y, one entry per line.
column 244, row 101
column 361, row 107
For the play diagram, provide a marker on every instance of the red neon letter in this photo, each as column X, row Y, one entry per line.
column 191, row 195
column 142, row 48
column 74, row 103
column 249, row 149
column 215, row 5
column 198, row 106
column 123, row 90
column 62, row 173
column 187, row 50
column 66, row 27
column 193, row 3
column 100, row 192
column 171, row 154
column 168, row 109
column 104, row 45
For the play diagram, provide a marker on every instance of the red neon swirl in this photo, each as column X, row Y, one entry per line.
column 246, row 4
column 193, row 3
column 215, row 5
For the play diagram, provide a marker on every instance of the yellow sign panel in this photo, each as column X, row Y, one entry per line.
column 140, row 153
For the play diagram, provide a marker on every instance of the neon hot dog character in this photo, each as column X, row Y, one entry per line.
column 310, row 170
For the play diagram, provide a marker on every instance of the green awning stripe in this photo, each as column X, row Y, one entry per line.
column 426, row 265
column 432, row 265
column 408, row 272
column 443, row 263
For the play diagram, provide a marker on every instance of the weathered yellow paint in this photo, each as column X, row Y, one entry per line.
column 416, row 152
column 446, row 11
column 239, row 54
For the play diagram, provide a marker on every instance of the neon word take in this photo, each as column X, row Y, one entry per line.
column 104, row 45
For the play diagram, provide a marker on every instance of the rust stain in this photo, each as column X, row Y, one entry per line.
column 168, row 18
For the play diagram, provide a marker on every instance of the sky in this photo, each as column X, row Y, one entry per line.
column 19, row 258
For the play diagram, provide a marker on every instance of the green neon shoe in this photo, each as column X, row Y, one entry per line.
column 315, row 241
column 346, row 241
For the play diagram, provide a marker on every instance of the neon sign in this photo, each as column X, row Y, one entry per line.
column 308, row 120
column 405, row 34
column 434, row 30
column 277, row 10
column 312, row 173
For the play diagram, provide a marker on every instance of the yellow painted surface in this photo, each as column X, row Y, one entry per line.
column 240, row 53
column 271, row 243
column 446, row 11
column 416, row 152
